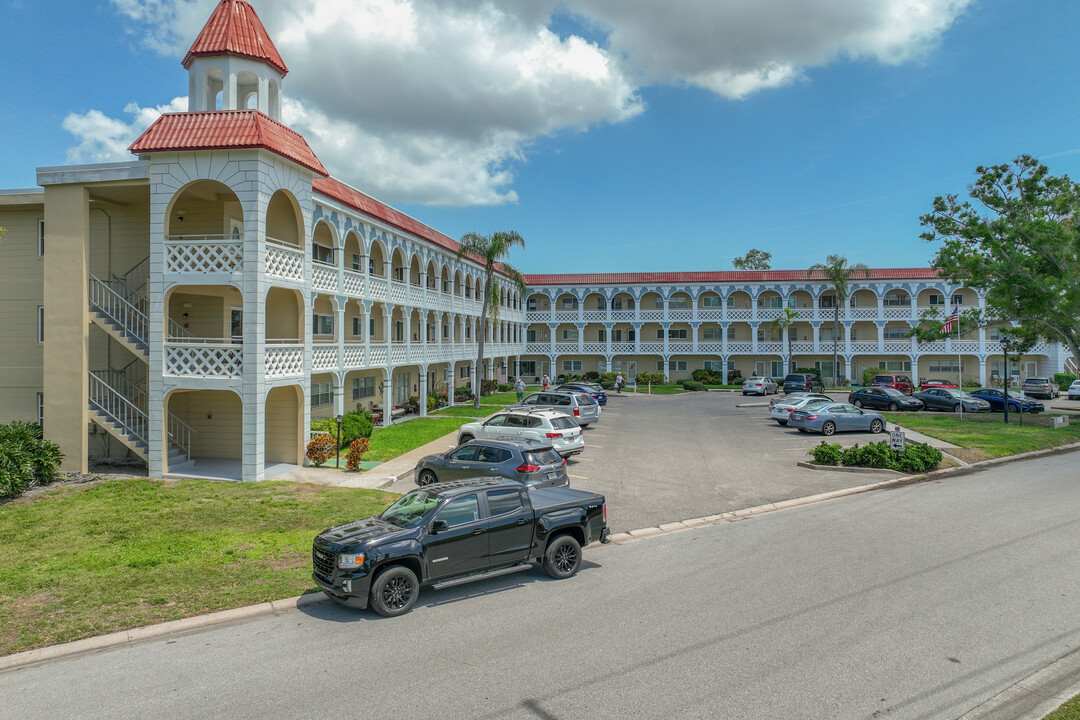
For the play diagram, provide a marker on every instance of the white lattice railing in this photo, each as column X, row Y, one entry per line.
column 324, row 357
column 864, row 347
column 398, row 292
column 738, row 313
column 354, row 356
column 897, row 346
column 903, row 312
column 966, row 347
column 378, row 355
column 623, row 348
column 773, row 348
column 622, row 315
column 769, row 313
column 416, row 295
column 117, row 309
column 285, row 262
column 203, row 254
column 541, row 348
column 713, row 348
column 680, row 346
column 804, row 313
column 566, row 316
column 378, row 288
column 743, row 348
column 193, row 359
column 354, row 282
column 863, row 313
column 398, row 354
column 595, row 315
column 802, row 348
column 710, row 313
column 323, row 277
column 680, row 314
column 652, row 314
column 652, row 347
column 284, row 361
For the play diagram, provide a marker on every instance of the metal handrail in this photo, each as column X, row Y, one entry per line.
column 105, row 399
column 118, row 309
column 180, row 434
column 176, row 330
column 119, row 382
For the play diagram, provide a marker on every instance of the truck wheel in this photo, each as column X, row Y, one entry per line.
column 426, row 478
column 394, row 591
column 464, row 439
column 563, row 557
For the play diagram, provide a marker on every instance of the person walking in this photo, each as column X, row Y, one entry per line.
column 519, row 388
column 545, row 382
column 619, row 383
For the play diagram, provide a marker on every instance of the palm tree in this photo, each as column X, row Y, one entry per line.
column 489, row 250
column 783, row 323
column 837, row 272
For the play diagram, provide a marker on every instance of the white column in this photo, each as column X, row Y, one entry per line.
column 421, row 400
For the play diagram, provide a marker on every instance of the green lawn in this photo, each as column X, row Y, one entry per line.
column 658, row 389
column 387, row 443
column 1070, row 710
column 467, row 411
column 987, row 433
column 85, row 561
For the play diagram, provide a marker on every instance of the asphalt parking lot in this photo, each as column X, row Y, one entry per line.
column 664, row 458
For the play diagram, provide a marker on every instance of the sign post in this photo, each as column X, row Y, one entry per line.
column 896, row 439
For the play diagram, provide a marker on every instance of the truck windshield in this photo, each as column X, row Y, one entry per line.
column 410, row 509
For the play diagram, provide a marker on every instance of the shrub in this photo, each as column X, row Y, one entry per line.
column 487, row 387
column 693, row 385
column 357, row 448
column 827, row 453
column 321, row 448
column 609, row 377
column 591, row 375
column 734, row 376
column 26, row 458
column 607, row 384
column 1064, row 380
column 463, row 397
column 324, row 425
column 353, row 426
column 650, row 378
column 919, row 458
column 708, row 377
column 432, row 402
column 868, row 375
column 874, row 455
column 463, row 390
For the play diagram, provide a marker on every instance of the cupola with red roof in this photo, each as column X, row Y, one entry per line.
column 234, row 59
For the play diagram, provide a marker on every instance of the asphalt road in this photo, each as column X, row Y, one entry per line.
column 917, row 602
column 665, row 458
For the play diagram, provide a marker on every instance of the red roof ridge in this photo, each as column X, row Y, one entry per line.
column 234, row 28
column 222, row 129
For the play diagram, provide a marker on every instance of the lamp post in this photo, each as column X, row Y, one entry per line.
column 337, row 460
column 1005, row 377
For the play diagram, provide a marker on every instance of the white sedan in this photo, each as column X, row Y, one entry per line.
column 1074, row 390
column 780, row 410
column 760, row 386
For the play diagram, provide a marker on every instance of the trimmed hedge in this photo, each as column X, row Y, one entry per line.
column 26, row 458
column 913, row 458
column 694, row 385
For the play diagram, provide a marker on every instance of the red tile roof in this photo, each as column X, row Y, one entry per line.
column 235, row 29
column 226, row 129
column 722, row 276
column 337, row 190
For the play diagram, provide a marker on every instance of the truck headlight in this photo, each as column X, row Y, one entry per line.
column 350, row 561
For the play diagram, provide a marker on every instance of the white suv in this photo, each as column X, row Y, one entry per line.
column 1074, row 390
column 547, row 426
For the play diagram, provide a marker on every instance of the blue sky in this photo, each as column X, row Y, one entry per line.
column 643, row 165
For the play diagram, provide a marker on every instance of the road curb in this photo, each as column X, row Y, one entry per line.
column 1035, row 696
column 845, row 468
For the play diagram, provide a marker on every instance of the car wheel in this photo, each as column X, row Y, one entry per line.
column 893, row 407
column 464, row 439
column 426, row 478
column 803, row 430
column 394, row 591
column 828, row 428
column 585, row 425
column 781, row 422
column 744, row 393
column 857, row 403
column 876, row 426
column 563, row 557
column 957, row 407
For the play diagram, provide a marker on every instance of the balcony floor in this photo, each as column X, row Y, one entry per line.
column 223, row 469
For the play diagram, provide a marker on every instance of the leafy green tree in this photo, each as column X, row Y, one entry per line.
column 783, row 323
column 753, row 260
column 490, row 251
column 1021, row 246
column 837, row 272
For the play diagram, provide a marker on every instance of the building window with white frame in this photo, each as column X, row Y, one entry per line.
column 356, row 260
column 672, row 366
column 713, row 366
column 322, row 393
column 322, row 254
column 895, row 333
column 41, row 237
column 322, row 324
column 571, row 366
column 465, row 372
column 570, row 334
column 936, row 300
column 712, row 301
column 363, row 387
column 569, row 303
column 41, row 324
column 680, row 302
column 41, row 409
column 894, row 365
column 957, row 298
column 357, row 326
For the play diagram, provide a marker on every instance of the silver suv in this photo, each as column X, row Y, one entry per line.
column 1040, row 387
column 550, row 427
column 578, row 405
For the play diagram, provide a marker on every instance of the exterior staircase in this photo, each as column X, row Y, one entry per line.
column 118, row 316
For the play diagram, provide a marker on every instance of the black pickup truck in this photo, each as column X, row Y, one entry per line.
column 455, row 532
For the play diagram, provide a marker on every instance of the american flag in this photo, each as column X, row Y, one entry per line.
column 951, row 320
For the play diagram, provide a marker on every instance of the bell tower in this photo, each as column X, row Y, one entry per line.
column 233, row 64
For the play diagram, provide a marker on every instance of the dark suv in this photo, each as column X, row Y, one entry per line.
column 898, row 382
column 530, row 462
column 798, row 382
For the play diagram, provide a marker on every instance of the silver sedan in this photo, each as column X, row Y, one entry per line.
column 834, row 418
column 760, row 386
column 780, row 410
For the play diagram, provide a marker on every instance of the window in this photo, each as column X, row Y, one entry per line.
column 40, row 324
column 446, row 286
column 399, row 331
column 355, row 262
column 458, row 512
column 322, row 254
column 321, row 394
column 503, row 501
column 531, row 304
column 601, row 335
column 468, row 332
column 713, row 365
column 731, row 332
column 571, row 366
column 530, row 336
column 712, row 333
column 767, row 334
column 827, row 301
column 466, row 453
column 677, row 333
column 465, row 371
column 936, row 299
column 944, row 366
column 322, row 324
column 679, row 302
column 773, row 301
column 357, row 326
column 731, row 365
column 631, row 336
column 615, row 366
column 672, row 366
column 896, row 300
column 445, row 332
column 363, row 387
column 731, row 301
column 569, row 303
column 895, row 365
column 371, row 266
column 41, row 238
column 41, row 410
column 570, row 334
column 958, row 298
column 527, row 367
column 895, row 333
column 498, row 455
column 616, row 335
column 777, row 369
column 601, row 304
column 711, row 301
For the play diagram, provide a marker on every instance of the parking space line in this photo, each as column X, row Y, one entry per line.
column 578, row 477
column 584, row 459
column 593, row 434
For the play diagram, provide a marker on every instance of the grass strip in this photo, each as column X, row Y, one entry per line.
column 988, row 433
column 467, row 411
column 388, row 443
column 84, row 561
column 1069, row 710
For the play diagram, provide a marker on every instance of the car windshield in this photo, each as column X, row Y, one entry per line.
column 410, row 509
column 563, row 423
column 811, row 403
column 893, row 392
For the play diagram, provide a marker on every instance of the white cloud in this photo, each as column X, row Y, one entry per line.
column 105, row 139
column 436, row 100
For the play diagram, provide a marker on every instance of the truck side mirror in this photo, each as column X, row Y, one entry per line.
column 438, row 526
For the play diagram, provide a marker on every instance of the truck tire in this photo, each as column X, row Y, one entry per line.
column 394, row 591
column 562, row 557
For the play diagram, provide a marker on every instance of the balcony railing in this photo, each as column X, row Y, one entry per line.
column 204, row 358
column 284, row 261
column 284, row 361
column 203, row 254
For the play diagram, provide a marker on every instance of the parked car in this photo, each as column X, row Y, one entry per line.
column 883, row 398
column 530, row 462
column 1040, row 387
column 940, row 398
column 547, row 426
column 577, row 405
column 897, row 382
column 791, row 398
column 829, row 418
column 781, row 411
column 799, row 382
column 927, row 384
column 1074, row 390
column 598, row 393
column 452, row 533
column 760, row 386
column 1017, row 402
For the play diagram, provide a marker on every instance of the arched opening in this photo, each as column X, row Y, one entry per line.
column 397, row 269
column 322, row 320
column 207, row 209
column 446, row 288
column 738, row 300
column 414, row 271
column 459, row 287
column 247, row 89
column 284, row 316
column 377, row 260
column 354, row 252
column 204, row 313
column 432, row 275
column 323, row 243
column 284, row 220
column 216, row 420
column 622, row 302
